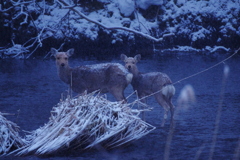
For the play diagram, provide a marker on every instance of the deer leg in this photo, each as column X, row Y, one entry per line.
column 118, row 94
column 162, row 102
column 143, row 100
column 171, row 109
column 169, row 101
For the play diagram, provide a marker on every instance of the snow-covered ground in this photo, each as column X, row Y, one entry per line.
column 194, row 23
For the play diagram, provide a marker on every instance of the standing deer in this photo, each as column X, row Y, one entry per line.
column 156, row 83
column 107, row 77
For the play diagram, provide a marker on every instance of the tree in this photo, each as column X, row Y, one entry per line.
column 31, row 24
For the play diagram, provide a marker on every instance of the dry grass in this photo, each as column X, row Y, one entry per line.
column 9, row 137
column 85, row 122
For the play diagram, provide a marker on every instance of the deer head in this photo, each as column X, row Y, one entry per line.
column 62, row 57
column 130, row 62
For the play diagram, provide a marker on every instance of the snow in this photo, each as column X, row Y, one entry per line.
column 144, row 4
column 182, row 49
column 82, row 26
column 193, row 19
column 194, row 50
column 9, row 137
column 200, row 34
column 215, row 48
column 84, row 122
column 121, row 9
column 100, row 66
column 126, row 7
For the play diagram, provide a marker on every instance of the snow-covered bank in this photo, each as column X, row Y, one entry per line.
column 194, row 23
column 191, row 50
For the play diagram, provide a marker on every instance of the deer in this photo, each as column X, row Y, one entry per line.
column 152, row 83
column 105, row 77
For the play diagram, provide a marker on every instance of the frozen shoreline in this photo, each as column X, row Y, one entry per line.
column 194, row 23
column 17, row 52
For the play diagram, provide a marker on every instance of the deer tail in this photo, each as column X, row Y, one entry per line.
column 168, row 90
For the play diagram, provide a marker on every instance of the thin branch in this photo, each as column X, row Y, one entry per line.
column 39, row 45
column 140, row 23
column 21, row 12
column 5, row 10
column 19, row 2
column 67, row 6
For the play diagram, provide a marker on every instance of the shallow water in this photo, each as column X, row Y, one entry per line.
column 30, row 88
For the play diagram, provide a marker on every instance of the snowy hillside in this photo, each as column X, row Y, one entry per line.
column 194, row 23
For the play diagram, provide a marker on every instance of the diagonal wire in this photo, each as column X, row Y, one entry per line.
column 193, row 75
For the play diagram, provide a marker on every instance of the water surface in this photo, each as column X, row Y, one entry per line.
column 30, row 88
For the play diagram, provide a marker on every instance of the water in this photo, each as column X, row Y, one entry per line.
column 30, row 88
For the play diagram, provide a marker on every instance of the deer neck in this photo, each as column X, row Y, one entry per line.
column 135, row 73
column 65, row 73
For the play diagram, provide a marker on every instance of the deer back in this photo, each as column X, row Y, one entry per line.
column 144, row 83
column 101, row 77
column 147, row 83
column 108, row 77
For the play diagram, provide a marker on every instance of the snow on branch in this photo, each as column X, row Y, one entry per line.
column 22, row 50
column 22, row 13
column 20, row 4
column 65, row 5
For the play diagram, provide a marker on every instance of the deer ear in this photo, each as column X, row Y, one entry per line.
column 70, row 52
column 123, row 57
column 53, row 52
column 137, row 57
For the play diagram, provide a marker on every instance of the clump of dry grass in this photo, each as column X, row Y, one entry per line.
column 85, row 122
column 9, row 137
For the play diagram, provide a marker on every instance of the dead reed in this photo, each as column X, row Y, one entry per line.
column 9, row 137
column 85, row 122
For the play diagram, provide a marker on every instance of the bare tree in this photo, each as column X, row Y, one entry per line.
column 23, row 10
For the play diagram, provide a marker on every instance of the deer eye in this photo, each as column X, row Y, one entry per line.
column 66, row 58
column 58, row 58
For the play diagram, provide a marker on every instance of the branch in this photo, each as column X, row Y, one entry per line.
column 37, row 40
column 5, row 10
column 19, row 2
column 67, row 6
column 24, row 13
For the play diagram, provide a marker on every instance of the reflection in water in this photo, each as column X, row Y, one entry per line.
column 30, row 88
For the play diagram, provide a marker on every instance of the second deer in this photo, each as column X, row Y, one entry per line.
column 156, row 83
column 106, row 77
